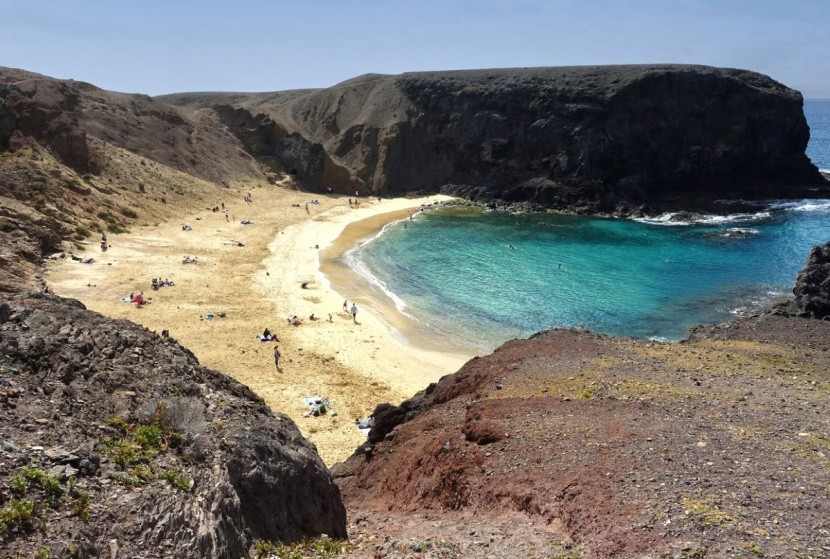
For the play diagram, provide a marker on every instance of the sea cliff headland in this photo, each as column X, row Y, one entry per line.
column 610, row 139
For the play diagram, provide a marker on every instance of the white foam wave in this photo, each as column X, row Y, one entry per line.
column 759, row 303
column 377, row 235
column 740, row 232
column 807, row 205
column 659, row 339
column 664, row 219
column 675, row 219
column 363, row 270
column 731, row 218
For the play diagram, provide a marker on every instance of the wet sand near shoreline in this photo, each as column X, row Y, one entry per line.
column 253, row 274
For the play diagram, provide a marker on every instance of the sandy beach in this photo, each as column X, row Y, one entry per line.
column 253, row 275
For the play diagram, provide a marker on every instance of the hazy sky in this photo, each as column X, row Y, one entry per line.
column 154, row 47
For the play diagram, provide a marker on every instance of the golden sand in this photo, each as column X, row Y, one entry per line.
column 258, row 285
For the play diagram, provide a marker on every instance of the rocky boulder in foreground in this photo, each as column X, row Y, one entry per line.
column 114, row 440
column 812, row 287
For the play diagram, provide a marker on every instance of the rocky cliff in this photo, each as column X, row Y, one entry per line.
column 594, row 139
column 812, row 286
column 115, row 442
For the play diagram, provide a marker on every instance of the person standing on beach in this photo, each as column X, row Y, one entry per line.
column 354, row 312
column 345, row 305
column 277, row 358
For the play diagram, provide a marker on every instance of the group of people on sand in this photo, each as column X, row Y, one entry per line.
column 138, row 299
column 155, row 283
column 249, row 198
column 268, row 336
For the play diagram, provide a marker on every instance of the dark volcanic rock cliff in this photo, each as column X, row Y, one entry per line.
column 586, row 138
column 812, row 287
column 121, row 444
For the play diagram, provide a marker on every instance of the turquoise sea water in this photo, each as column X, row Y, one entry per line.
column 479, row 278
column 817, row 112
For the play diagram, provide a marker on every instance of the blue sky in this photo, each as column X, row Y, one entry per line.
column 155, row 47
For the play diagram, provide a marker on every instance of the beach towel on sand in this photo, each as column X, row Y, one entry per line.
column 318, row 405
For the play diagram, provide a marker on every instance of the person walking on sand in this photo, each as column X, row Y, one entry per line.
column 277, row 358
column 345, row 306
column 354, row 312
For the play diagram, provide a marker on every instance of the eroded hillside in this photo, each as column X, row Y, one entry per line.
column 715, row 447
column 77, row 160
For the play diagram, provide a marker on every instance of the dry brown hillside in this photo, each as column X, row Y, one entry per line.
column 77, row 160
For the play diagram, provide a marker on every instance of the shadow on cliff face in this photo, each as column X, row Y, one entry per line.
column 591, row 139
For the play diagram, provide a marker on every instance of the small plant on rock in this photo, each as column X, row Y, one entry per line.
column 121, row 452
column 81, row 505
column 177, row 479
column 148, row 436
column 51, row 485
column 118, row 423
column 322, row 547
column 20, row 517
column 694, row 553
column 18, row 485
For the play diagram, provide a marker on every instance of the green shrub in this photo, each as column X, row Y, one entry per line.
column 118, row 423
column 18, row 485
column 81, row 505
column 148, row 436
column 121, row 452
column 177, row 479
column 21, row 516
column 142, row 472
column 321, row 547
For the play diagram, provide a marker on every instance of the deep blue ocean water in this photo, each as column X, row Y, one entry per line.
column 479, row 278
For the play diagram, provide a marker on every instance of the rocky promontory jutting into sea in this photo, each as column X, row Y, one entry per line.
column 589, row 139
column 116, row 442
